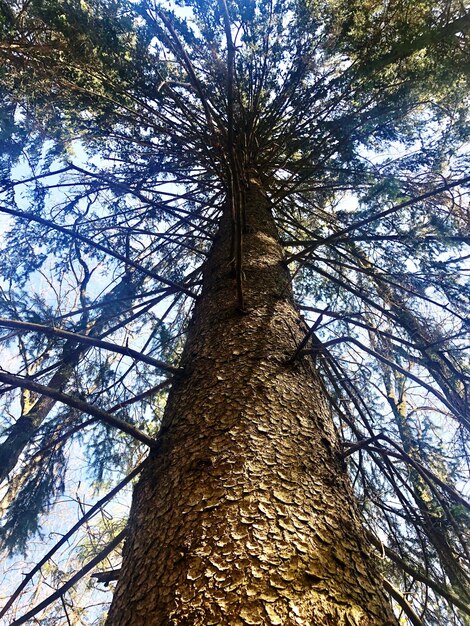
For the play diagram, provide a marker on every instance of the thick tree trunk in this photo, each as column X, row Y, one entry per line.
column 244, row 514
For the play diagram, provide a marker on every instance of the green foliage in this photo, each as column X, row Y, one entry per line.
column 41, row 483
column 125, row 128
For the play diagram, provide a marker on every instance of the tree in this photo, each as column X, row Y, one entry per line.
column 186, row 180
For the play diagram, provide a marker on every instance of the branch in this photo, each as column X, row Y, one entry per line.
column 97, row 246
column 307, row 337
column 189, row 68
column 428, row 476
column 403, row 602
column 377, row 216
column 405, row 238
column 360, row 445
column 92, row 420
column 107, row 576
column 80, row 405
column 406, row 49
column 72, row 581
column 86, row 339
column 88, row 515
column 363, row 298
column 418, row 575
column 12, row 183
column 349, row 318
column 393, row 365
column 141, row 396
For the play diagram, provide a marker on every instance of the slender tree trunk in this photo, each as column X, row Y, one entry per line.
column 244, row 514
column 23, row 430
column 437, row 530
column 21, row 433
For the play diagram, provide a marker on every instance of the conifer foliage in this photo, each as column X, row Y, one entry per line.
column 128, row 130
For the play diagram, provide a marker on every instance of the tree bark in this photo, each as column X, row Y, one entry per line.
column 245, row 514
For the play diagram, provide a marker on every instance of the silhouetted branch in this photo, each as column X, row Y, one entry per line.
column 74, row 235
column 82, row 406
column 88, row 515
column 87, row 340
column 402, row 601
column 393, row 365
column 418, row 575
column 107, row 576
column 72, row 581
column 377, row 216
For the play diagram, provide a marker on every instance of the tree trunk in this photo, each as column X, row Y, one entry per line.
column 434, row 522
column 23, row 430
column 244, row 514
column 21, row 433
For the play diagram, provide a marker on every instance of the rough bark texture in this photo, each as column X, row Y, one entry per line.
column 245, row 514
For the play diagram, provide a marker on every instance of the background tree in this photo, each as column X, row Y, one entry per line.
column 136, row 137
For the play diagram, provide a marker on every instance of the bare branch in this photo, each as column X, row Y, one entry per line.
column 402, row 601
column 72, row 581
column 377, row 216
column 88, row 515
column 97, row 246
column 418, row 575
column 82, row 406
column 87, row 340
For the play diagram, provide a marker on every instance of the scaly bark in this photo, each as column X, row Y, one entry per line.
column 244, row 514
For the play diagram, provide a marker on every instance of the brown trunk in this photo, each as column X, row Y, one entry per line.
column 244, row 514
